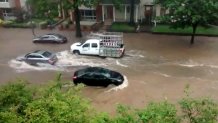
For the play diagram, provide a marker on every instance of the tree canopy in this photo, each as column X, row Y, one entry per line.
column 184, row 13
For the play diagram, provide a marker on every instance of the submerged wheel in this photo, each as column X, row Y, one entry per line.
column 76, row 52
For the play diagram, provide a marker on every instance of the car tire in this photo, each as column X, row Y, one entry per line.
column 106, row 85
column 117, row 84
column 76, row 52
column 34, row 41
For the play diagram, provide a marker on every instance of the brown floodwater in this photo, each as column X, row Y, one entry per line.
column 156, row 67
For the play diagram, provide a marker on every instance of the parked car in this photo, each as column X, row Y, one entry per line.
column 97, row 76
column 38, row 56
column 50, row 38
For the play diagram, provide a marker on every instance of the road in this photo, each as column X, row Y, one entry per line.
column 156, row 67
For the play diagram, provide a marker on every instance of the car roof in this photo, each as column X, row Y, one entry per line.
column 55, row 34
column 39, row 51
column 96, row 70
column 93, row 40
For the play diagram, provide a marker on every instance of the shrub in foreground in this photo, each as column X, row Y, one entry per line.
column 57, row 103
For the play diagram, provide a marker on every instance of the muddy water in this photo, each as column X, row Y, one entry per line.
column 156, row 67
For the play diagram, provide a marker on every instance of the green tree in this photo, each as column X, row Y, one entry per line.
column 75, row 4
column 44, row 8
column 185, row 13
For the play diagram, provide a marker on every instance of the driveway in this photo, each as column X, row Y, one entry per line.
column 156, row 67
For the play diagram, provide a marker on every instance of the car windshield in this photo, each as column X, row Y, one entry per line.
column 59, row 36
column 47, row 54
column 82, row 42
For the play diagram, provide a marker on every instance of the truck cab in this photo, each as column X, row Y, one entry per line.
column 87, row 47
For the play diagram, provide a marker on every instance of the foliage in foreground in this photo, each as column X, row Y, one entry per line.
column 55, row 103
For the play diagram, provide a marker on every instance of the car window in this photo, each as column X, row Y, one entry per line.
column 86, row 45
column 94, row 45
column 99, row 76
column 34, row 56
column 47, row 54
column 88, row 76
column 45, row 37
column 52, row 37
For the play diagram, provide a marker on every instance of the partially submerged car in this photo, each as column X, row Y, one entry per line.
column 97, row 76
column 38, row 56
column 50, row 38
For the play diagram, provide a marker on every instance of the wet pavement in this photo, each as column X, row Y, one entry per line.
column 156, row 67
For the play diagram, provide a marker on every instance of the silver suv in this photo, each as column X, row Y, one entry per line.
column 38, row 56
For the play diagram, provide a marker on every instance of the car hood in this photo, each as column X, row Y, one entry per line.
column 117, row 76
column 75, row 45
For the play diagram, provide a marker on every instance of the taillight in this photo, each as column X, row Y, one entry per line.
column 50, row 61
column 75, row 77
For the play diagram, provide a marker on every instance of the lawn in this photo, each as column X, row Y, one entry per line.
column 122, row 27
column 213, row 30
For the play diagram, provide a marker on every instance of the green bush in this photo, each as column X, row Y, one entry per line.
column 199, row 111
column 1, row 21
column 56, row 103
column 13, row 24
column 162, row 112
column 122, row 27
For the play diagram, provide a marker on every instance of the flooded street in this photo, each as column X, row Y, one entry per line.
column 155, row 67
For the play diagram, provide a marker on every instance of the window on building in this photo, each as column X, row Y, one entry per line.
column 7, row 12
column 162, row 11
column 3, row 0
column 88, row 14
column 128, row 9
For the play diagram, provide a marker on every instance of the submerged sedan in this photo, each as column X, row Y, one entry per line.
column 38, row 56
column 97, row 76
column 50, row 38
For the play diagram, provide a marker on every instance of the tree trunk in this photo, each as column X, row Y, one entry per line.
column 132, row 8
column 77, row 20
column 194, row 27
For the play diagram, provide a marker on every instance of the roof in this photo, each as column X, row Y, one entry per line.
column 124, row 1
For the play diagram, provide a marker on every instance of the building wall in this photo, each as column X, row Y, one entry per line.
column 23, row 4
column 9, row 4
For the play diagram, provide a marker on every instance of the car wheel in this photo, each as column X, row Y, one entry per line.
column 34, row 41
column 76, row 52
column 117, row 84
column 106, row 85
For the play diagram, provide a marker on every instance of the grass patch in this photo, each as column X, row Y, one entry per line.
column 122, row 27
column 200, row 30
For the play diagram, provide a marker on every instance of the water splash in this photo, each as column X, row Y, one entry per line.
column 119, row 64
column 120, row 87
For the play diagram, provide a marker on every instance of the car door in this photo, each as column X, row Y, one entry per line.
column 88, row 79
column 101, row 80
column 45, row 39
column 52, row 39
column 30, row 59
column 85, row 48
column 94, row 49
column 34, row 59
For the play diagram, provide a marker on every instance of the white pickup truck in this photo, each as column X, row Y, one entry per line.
column 106, row 44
